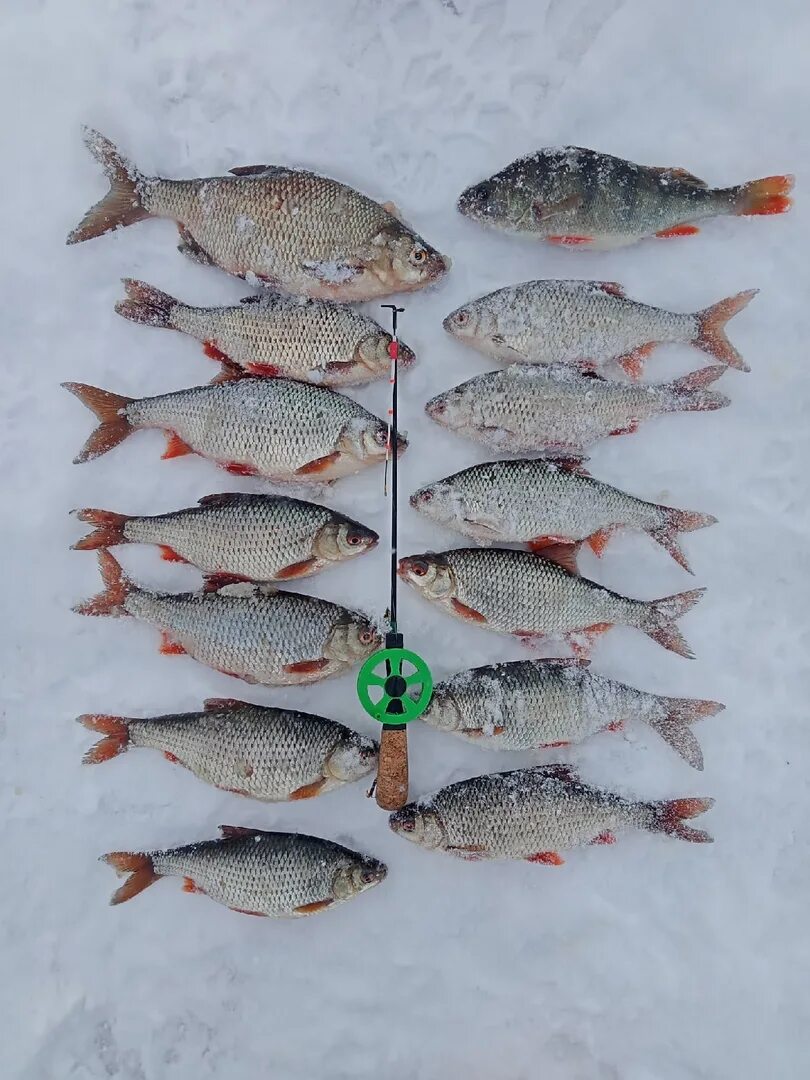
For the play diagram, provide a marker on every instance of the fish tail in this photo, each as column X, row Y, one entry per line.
column 767, row 196
column 668, row 817
column 146, row 304
column 108, row 532
column 109, row 408
column 673, row 727
column 659, row 620
column 117, row 588
column 141, row 872
column 122, row 204
column 689, row 393
column 116, row 739
column 678, row 521
column 712, row 329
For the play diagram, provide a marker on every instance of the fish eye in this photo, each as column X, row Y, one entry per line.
column 461, row 317
column 366, row 637
column 354, row 538
column 381, row 436
column 419, row 567
column 483, row 192
column 418, row 255
column 426, row 496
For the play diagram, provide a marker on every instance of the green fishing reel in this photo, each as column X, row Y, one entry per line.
column 384, row 682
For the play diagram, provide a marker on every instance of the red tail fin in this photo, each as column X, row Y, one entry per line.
column 111, row 411
column 122, row 204
column 146, row 304
column 689, row 393
column 674, row 726
column 679, row 521
column 108, row 533
column 116, row 589
column 660, row 616
column 139, row 867
column 712, row 329
column 669, row 817
column 117, row 737
column 766, row 196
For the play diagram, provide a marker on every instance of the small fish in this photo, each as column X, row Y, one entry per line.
column 533, row 814
column 276, row 428
column 255, row 632
column 238, row 537
column 255, row 872
column 316, row 341
column 264, row 753
column 518, row 592
column 559, row 410
column 541, row 503
column 286, row 228
column 582, row 199
column 538, row 704
column 588, row 324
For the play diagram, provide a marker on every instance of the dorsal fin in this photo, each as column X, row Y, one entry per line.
column 564, row 555
column 249, row 170
column 678, row 173
column 225, row 704
column 612, row 288
column 570, row 464
column 230, row 832
column 563, row 661
column 226, row 498
column 560, row 771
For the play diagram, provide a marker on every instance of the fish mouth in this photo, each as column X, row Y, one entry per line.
column 406, row 355
column 403, row 822
column 436, row 408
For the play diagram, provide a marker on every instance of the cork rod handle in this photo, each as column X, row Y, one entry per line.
column 392, row 771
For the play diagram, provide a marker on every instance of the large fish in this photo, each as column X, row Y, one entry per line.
column 263, row 752
column 237, row 537
column 315, row 341
column 561, row 410
column 255, row 632
column 518, row 592
column 580, row 198
column 276, row 428
column 286, row 228
column 534, row 814
column 255, row 872
column 535, row 502
column 533, row 704
column 588, row 324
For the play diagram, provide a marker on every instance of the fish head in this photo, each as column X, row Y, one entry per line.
column 489, row 324
column 341, row 538
column 420, row 824
column 430, row 573
column 469, row 322
column 373, row 353
column 352, row 637
column 367, row 440
column 357, row 874
column 450, row 408
column 403, row 261
column 438, row 501
column 531, row 194
column 354, row 757
column 442, row 711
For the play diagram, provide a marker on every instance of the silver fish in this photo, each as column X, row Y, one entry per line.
column 535, row 502
column 264, row 753
column 588, row 324
column 315, row 341
column 255, row 632
column 287, row 228
column 522, row 408
column 579, row 198
column 238, row 537
column 255, row 872
column 534, row 814
column 533, row 704
column 517, row 592
column 276, row 428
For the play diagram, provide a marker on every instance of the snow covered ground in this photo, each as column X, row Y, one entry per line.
column 649, row 960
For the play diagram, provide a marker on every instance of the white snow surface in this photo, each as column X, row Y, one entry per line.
column 649, row 960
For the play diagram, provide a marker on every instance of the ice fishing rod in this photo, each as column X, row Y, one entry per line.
column 394, row 684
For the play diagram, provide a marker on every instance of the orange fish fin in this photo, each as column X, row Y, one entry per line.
column 614, row 725
column 170, row 555
column 110, row 409
column 766, row 196
column 108, row 532
column 225, row 704
column 466, row 612
column 569, row 464
column 554, row 745
column 217, row 581
column 598, row 541
column 319, row 465
column 309, row 791
column 266, row 371
column 539, row 543
column 138, row 866
column 169, row 647
column 239, row 468
column 712, row 329
column 244, row 911
column 678, row 230
column 633, row 362
column 564, row 555
column 228, row 373
column 605, row 837
column 175, row 447
column 116, row 740
column 478, row 733
column 117, row 588
column 173, row 758
column 549, row 858
column 296, row 570
column 671, row 814
column 630, row 429
column 190, row 885
column 612, row 288
column 569, row 241
column 306, row 667
column 213, row 352
column 311, row 908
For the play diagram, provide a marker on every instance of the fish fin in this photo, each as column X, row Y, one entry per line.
column 598, row 541
column 146, row 304
column 538, row 544
column 297, row 570
column 678, row 230
column 169, row 647
column 464, row 611
column 109, row 529
column 689, row 393
column 306, row 667
column 569, row 241
column 309, row 791
column 673, row 727
column 213, row 352
column 122, row 204
column 678, row 521
column 470, row 852
column 215, row 582
column 612, row 288
column 109, row 408
column 670, row 815
column 264, row 371
column 559, row 770
column 173, row 758
column 548, row 858
column 614, row 725
column 245, row 911
column 249, row 170
column 175, row 447
column 712, row 326
column 116, row 740
column 240, row 468
column 633, row 362
column 581, row 641
column 227, row 498
column 313, row 907
column 229, row 373
column 318, row 465
column 564, row 555
column 116, row 589
column 140, row 869
column 392, row 209
column 168, row 554
column 226, row 704
column 543, row 211
column 767, row 196
column 232, row 832
column 563, row 661
column 189, row 247
column 568, row 464
column 254, row 299
column 191, row 886
column 605, row 837
column 677, row 173
column 555, row 745
column 629, row 429
column 659, row 620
